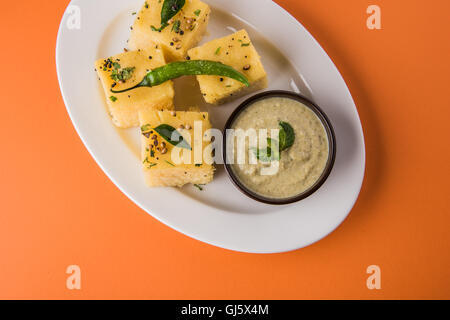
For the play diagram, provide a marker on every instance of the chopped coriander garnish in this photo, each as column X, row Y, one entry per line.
column 245, row 44
column 170, row 163
column 176, row 26
column 116, row 65
column 197, row 12
column 152, row 153
column 123, row 74
column 146, row 127
column 133, row 13
column 150, row 164
column 199, row 187
column 218, row 51
column 159, row 29
column 113, row 99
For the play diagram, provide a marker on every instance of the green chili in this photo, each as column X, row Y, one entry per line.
column 169, row 9
column 187, row 68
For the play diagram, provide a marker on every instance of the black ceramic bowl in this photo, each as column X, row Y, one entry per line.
column 331, row 143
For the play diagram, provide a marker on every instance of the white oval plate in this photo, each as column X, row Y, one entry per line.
column 220, row 215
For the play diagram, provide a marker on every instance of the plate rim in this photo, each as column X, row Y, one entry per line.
column 169, row 224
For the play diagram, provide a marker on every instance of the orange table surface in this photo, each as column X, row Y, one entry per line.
column 59, row 209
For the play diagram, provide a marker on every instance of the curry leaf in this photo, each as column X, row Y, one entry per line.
column 169, row 9
column 171, row 135
column 274, row 147
column 268, row 154
column 286, row 135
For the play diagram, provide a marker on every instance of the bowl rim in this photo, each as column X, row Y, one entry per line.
column 331, row 146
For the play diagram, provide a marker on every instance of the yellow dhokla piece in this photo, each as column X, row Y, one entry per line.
column 168, row 165
column 125, row 70
column 184, row 32
column 237, row 51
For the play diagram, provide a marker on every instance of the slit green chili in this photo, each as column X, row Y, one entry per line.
column 187, row 68
column 169, row 9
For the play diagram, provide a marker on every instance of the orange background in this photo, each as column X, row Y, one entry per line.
column 58, row 208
